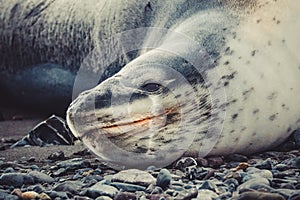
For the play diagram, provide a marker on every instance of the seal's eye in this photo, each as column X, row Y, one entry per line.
column 151, row 87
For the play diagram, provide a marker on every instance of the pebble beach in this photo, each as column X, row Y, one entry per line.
column 72, row 172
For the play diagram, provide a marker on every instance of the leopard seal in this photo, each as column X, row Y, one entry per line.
column 162, row 103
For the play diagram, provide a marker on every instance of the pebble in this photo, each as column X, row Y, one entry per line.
column 15, row 179
column 100, row 189
column 40, row 177
column 69, row 186
column 59, row 155
column 5, row 195
column 134, row 176
column 73, row 164
column 127, row 187
column 164, row 179
column 260, row 196
column 206, row 195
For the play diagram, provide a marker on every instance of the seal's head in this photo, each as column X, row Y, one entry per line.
column 147, row 114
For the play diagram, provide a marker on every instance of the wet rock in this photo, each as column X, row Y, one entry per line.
column 69, row 186
column 293, row 162
column 208, row 185
column 164, row 179
column 255, row 184
column 260, row 196
column 127, row 187
column 134, row 176
column 36, row 188
column 104, row 198
column 60, row 172
column 207, row 195
column 265, row 164
column 58, row 195
column 99, row 189
column 125, row 195
column 187, row 194
column 295, row 196
column 59, row 155
column 287, row 193
column 54, row 131
column 5, row 195
column 84, row 152
column 73, row 164
column 232, row 184
column 9, row 170
column 40, row 177
column 15, row 179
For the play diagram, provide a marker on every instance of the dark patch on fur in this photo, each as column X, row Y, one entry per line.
column 272, row 117
column 253, row 52
column 272, row 96
column 255, row 111
column 234, row 116
column 229, row 77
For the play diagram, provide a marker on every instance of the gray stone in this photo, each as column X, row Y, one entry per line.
column 134, row 176
column 73, row 164
column 164, row 179
column 40, row 177
column 9, row 170
column 6, row 196
column 59, row 155
column 60, row 172
column 187, row 194
column 15, row 179
column 59, row 195
column 127, row 187
column 232, row 184
column 208, row 185
column 260, row 196
column 99, row 189
column 265, row 164
column 104, row 198
column 69, row 186
column 255, row 184
column 295, row 196
column 207, row 195
column 287, row 192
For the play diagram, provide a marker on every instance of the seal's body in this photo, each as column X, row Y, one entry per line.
column 211, row 77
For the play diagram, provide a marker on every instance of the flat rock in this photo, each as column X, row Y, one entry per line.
column 15, row 179
column 99, row 189
column 40, row 177
column 134, row 176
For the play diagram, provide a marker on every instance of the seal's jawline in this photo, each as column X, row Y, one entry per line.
column 139, row 122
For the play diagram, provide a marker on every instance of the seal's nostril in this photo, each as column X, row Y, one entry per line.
column 103, row 99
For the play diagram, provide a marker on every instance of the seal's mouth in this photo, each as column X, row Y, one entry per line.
column 138, row 123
